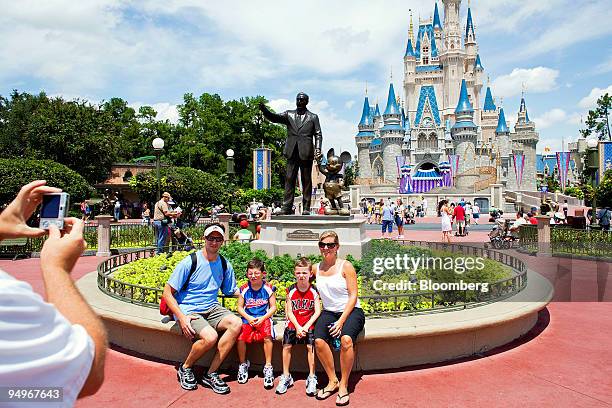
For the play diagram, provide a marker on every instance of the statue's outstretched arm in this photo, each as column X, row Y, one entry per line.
column 274, row 117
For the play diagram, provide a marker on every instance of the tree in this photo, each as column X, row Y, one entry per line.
column 603, row 194
column 190, row 188
column 14, row 173
column 598, row 121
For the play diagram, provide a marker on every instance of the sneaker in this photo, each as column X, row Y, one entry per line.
column 215, row 382
column 243, row 372
column 186, row 378
column 268, row 373
column 284, row 382
column 311, row 385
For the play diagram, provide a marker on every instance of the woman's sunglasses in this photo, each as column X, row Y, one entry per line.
column 328, row 245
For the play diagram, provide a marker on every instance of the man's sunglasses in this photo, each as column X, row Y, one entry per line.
column 328, row 245
column 215, row 239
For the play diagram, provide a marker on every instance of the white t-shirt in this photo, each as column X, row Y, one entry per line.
column 39, row 347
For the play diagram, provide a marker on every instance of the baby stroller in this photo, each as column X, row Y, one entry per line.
column 182, row 241
column 495, row 214
column 409, row 216
column 500, row 236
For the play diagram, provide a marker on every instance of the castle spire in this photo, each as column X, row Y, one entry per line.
column 502, row 126
column 469, row 28
column 392, row 108
column 489, row 104
column 436, row 18
column 409, row 47
column 365, row 113
column 478, row 64
column 464, row 104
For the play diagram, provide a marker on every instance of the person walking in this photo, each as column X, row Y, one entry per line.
column 445, row 214
column 387, row 219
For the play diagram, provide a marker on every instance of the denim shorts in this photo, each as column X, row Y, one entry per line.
column 387, row 226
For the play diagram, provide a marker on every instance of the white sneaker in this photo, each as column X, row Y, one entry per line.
column 311, row 385
column 268, row 372
column 243, row 372
column 284, row 382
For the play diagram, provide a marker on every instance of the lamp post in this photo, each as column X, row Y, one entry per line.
column 158, row 147
column 229, row 157
column 593, row 166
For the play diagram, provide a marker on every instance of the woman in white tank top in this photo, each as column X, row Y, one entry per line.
column 341, row 317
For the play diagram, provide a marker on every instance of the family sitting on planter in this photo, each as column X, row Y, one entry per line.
column 191, row 295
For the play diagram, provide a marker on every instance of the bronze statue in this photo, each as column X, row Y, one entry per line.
column 302, row 126
column 334, row 181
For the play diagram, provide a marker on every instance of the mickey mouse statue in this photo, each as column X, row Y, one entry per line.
column 334, row 181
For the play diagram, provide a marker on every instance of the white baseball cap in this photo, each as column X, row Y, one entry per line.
column 213, row 228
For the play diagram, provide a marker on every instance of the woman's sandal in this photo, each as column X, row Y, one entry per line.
column 326, row 393
column 340, row 398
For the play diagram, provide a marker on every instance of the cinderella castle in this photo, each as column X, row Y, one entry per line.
column 443, row 137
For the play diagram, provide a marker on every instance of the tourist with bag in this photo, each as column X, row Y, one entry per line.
column 162, row 217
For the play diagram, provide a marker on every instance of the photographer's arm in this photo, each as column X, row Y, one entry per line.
column 58, row 257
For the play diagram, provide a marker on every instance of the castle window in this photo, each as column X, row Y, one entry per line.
column 425, row 60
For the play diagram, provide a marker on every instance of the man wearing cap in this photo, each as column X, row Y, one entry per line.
column 161, row 218
column 197, row 311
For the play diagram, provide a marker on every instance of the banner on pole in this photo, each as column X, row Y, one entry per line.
column 519, row 167
column 563, row 159
column 262, row 168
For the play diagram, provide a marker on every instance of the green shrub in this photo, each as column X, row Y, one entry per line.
column 14, row 173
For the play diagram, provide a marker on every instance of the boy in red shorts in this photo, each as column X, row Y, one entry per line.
column 256, row 305
column 302, row 309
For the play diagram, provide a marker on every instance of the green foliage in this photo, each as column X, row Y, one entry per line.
column 382, row 248
column 244, row 197
column 76, row 133
column 588, row 192
column 598, row 121
column 14, row 173
column 552, row 183
column 575, row 192
column 603, row 194
column 190, row 188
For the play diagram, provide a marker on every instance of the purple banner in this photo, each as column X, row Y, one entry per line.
column 519, row 167
column 563, row 159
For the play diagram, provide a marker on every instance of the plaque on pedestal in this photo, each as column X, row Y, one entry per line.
column 293, row 235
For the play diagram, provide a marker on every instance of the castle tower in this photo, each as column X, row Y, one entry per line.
column 363, row 139
column 437, row 27
column 473, row 67
column 525, row 138
column 464, row 134
column 410, row 70
column 392, row 136
column 502, row 147
column 488, row 119
column 452, row 58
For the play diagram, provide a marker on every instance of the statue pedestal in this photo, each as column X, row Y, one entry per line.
column 293, row 235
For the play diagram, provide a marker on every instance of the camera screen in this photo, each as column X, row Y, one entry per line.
column 50, row 206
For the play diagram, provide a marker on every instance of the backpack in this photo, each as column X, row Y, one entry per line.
column 163, row 306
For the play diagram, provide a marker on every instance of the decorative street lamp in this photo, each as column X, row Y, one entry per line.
column 229, row 153
column 593, row 167
column 158, row 147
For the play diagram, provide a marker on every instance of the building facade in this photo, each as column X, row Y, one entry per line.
column 442, row 121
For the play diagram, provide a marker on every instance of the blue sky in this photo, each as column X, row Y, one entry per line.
column 152, row 52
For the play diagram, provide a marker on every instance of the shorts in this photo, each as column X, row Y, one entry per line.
column 250, row 334
column 398, row 221
column 290, row 337
column 460, row 223
column 352, row 327
column 212, row 317
column 476, row 216
column 387, row 226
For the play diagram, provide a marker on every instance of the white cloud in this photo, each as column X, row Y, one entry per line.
column 590, row 101
column 536, row 80
column 165, row 110
column 349, row 104
column 550, row 118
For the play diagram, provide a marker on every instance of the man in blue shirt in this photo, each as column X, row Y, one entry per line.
column 197, row 311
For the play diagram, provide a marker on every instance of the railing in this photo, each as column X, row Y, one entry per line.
column 376, row 305
column 570, row 241
column 528, row 238
column 565, row 240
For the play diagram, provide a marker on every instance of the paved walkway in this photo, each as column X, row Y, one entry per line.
column 565, row 361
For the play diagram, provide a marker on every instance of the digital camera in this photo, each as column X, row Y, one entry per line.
column 54, row 209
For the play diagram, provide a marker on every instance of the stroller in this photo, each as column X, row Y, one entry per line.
column 182, row 241
column 500, row 236
column 495, row 214
column 409, row 216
